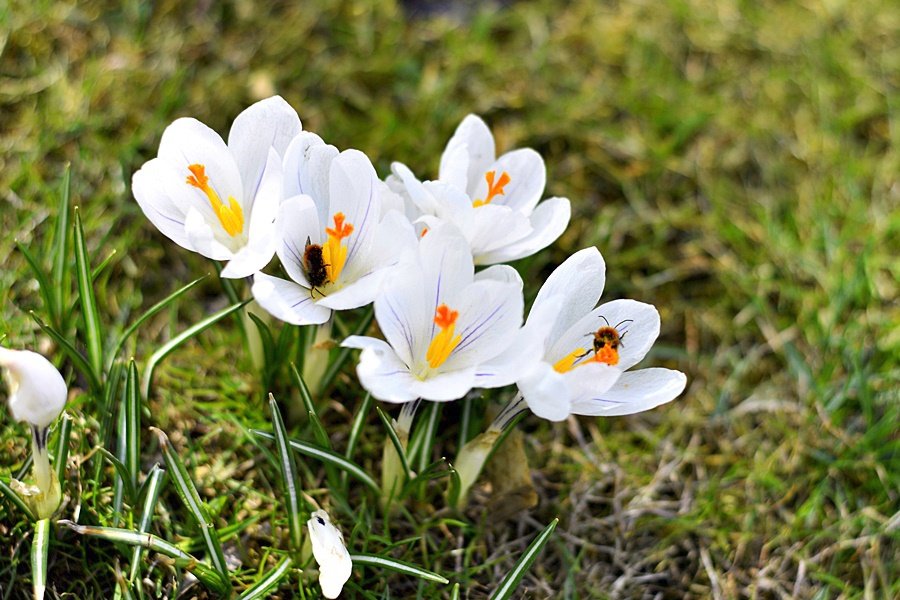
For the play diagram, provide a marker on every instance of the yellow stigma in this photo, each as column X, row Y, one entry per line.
column 232, row 216
column 334, row 252
column 495, row 188
column 444, row 342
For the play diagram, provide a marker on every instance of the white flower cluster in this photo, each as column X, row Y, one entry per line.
column 346, row 239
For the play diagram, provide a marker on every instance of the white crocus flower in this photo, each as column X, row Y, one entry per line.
column 442, row 323
column 221, row 200
column 587, row 350
column 37, row 395
column 492, row 201
column 331, row 237
column 335, row 566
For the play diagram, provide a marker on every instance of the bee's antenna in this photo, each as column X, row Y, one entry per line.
column 624, row 321
column 605, row 320
column 308, row 241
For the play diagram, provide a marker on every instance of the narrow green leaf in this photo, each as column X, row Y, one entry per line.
column 262, row 587
column 61, row 245
column 153, row 485
column 182, row 337
column 328, row 457
column 43, row 285
column 62, row 448
column 393, row 564
column 40, row 547
column 131, row 406
column 81, row 363
column 288, row 477
column 185, row 488
column 95, row 272
column 421, row 445
column 16, row 499
column 209, row 577
column 335, row 367
column 454, row 593
column 395, row 440
column 512, row 579
column 455, row 487
column 465, row 421
column 92, row 332
column 122, row 475
column 318, row 430
column 150, row 312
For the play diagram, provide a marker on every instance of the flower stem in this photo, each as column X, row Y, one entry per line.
column 315, row 362
column 392, row 472
column 47, row 500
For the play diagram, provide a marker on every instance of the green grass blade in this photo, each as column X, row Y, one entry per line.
column 512, row 579
column 62, row 448
column 359, row 420
column 465, row 421
column 373, row 560
column 153, row 485
column 455, row 487
column 344, row 353
column 328, row 457
column 60, row 249
column 262, row 587
column 131, row 405
column 318, row 430
column 121, row 473
column 288, row 477
column 92, row 332
column 209, row 577
column 185, row 488
column 454, row 593
column 13, row 497
column 423, row 438
column 40, row 547
column 47, row 291
column 150, row 312
column 182, row 337
column 78, row 359
column 395, row 440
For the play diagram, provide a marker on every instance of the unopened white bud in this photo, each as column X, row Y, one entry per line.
column 37, row 392
column 335, row 566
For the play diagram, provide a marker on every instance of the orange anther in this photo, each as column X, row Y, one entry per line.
column 495, row 188
column 444, row 317
column 341, row 229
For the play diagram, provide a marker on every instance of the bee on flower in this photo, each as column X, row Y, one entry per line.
column 494, row 201
column 218, row 199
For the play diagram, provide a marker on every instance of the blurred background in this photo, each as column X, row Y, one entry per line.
column 735, row 162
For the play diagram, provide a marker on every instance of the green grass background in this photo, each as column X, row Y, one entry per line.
column 735, row 162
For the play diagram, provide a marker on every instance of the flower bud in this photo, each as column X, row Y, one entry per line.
column 334, row 562
column 37, row 392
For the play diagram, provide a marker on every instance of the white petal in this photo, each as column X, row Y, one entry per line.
column 288, row 301
column 546, row 392
column 527, row 178
column 494, row 227
column 307, row 162
column 548, row 222
column 187, row 142
column 163, row 210
column 264, row 206
column 202, row 237
column 37, row 392
column 352, row 188
column 490, row 315
column 404, row 312
column 297, row 223
column 635, row 391
column 358, row 293
column 445, row 386
column 446, row 270
column 250, row 259
column 579, row 281
column 591, row 380
column 380, row 370
column 472, row 145
column 268, row 124
column 638, row 335
column 419, row 195
column 503, row 273
column 335, row 566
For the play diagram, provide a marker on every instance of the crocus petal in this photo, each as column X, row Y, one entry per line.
column 546, row 392
column 419, row 195
column 578, row 281
column 265, row 204
column 335, row 565
column 249, row 259
column 165, row 210
column 638, row 335
column 288, row 301
column 298, row 221
column 352, row 186
column 590, row 380
column 493, row 227
column 37, row 392
column 470, row 151
column 268, row 124
column 202, row 237
column 380, row 370
column 489, row 317
column 503, row 273
column 446, row 270
column 548, row 221
column 445, row 386
column 307, row 163
column 527, row 178
column 359, row 292
column 634, row 392
column 404, row 312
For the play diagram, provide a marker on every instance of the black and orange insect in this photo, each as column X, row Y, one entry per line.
column 314, row 263
column 607, row 340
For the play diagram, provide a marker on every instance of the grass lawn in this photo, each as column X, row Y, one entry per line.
column 735, row 162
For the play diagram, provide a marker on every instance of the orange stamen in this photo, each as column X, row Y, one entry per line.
column 444, row 342
column 334, row 251
column 232, row 216
column 495, row 188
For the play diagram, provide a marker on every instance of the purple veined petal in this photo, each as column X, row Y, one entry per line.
column 381, row 372
column 635, row 391
column 288, row 301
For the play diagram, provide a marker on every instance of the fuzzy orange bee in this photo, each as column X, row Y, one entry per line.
column 607, row 340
